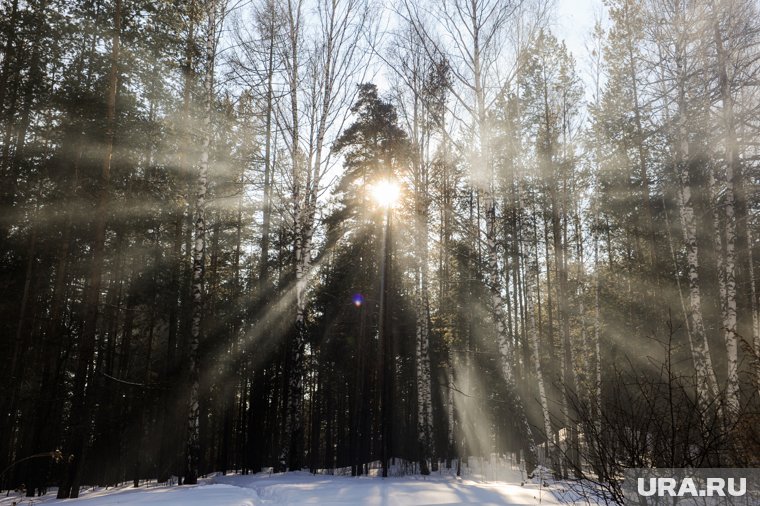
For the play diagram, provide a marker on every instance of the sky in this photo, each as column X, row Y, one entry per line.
column 574, row 20
column 573, row 23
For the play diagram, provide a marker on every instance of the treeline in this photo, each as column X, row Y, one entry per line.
column 196, row 275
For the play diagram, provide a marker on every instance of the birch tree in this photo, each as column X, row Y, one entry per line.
column 192, row 452
column 550, row 89
column 533, row 276
column 733, row 42
column 682, row 37
column 421, row 90
column 319, row 100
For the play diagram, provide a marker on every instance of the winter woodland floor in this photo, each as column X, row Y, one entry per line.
column 501, row 487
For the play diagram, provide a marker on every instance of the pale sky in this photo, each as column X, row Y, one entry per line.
column 573, row 23
column 574, row 20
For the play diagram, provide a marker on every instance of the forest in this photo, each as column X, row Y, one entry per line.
column 366, row 238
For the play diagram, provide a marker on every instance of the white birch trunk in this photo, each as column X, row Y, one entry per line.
column 728, row 319
column 199, row 252
column 707, row 385
column 450, row 413
column 497, row 301
column 729, row 276
column 597, row 384
column 687, row 323
column 424, row 395
column 732, row 387
column 535, row 344
column 290, row 451
column 339, row 39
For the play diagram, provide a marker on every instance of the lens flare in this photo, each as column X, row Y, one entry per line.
column 358, row 300
column 386, row 193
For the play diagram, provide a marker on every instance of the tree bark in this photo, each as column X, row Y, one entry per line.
column 192, row 452
column 293, row 447
column 79, row 424
column 707, row 387
column 729, row 277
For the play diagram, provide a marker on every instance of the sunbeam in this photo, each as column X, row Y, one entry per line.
column 262, row 237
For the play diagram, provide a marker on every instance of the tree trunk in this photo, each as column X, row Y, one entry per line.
column 536, row 349
column 79, row 422
column 192, row 453
column 291, row 451
column 732, row 172
column 707, row 387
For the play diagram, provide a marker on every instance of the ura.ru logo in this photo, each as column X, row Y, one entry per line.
column 719, row 487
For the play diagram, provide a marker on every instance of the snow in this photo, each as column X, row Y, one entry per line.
column 305, row 488
column 206, row 493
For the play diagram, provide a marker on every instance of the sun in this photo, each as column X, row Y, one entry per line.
column 386, row 193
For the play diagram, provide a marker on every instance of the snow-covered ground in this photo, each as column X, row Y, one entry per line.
column 303, row 488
